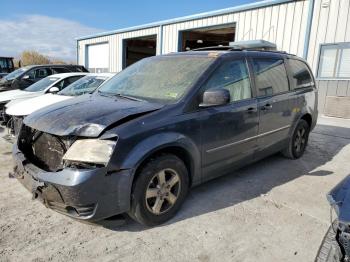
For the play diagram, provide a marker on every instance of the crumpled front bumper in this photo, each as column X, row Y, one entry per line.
column 88, row 194
column 339, row 199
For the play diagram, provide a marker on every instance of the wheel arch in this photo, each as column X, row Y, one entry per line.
column 308, row 118
column 175, row 150
column 169, row 143
column 304, row 116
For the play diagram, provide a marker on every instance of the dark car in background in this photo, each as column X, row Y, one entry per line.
column 28, row 75
column 161, row 126
column 6, row 66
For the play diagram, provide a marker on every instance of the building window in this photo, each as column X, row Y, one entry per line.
column 334, row 61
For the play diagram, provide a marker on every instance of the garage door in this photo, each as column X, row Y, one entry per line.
column 136, row 49
column 98, row 58
column 207, row 37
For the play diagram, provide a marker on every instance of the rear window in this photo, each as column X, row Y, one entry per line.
column 270, row 76
column 300, row 74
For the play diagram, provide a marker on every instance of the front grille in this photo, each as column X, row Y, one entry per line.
column 42, row 149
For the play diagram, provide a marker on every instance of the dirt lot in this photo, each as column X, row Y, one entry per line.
column 274, row 210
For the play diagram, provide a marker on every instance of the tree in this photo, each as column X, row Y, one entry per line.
column 57, row 62
column 29, row 57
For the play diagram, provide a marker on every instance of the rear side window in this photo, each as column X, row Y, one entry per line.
column 300, row 74
column 233, row 76
column 4, row 63
column 270, row 76
column 67, row 81
column 72, row 79
column 59, row 70
column 78, row 69
column 39, row 73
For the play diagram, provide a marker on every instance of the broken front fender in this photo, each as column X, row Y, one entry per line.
column 87, row 115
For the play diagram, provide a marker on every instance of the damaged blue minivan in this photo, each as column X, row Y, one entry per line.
column 163, row 125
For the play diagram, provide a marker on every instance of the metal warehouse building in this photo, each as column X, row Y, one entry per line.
column 318, row 30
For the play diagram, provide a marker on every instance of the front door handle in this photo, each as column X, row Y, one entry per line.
column 266, row 107
column 251, row 110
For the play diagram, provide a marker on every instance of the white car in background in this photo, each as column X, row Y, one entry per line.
column 88, row 84
column 50, row 84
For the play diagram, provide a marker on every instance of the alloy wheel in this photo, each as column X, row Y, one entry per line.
column 300, row 140
column 163, row 191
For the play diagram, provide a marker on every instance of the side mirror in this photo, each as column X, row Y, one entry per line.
column 215, row 97
column 26, row 77
column 54, row 90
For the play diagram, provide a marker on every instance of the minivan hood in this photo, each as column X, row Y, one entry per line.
column 28, row 106
column 87, row 115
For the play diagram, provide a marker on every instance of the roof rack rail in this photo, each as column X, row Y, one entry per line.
column 249, row 45
column 214, row 48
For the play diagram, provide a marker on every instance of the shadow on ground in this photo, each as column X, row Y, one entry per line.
column 254, row 180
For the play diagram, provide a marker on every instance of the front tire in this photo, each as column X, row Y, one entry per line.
column 298, row 142
column 159, row 190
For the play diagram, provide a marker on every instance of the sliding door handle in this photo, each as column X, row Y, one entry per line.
column 268, row 106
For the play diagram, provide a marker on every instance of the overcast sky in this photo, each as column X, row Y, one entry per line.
column 51, row 27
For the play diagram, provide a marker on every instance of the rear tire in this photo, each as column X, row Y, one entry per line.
column 298, row 142
column 159, row 190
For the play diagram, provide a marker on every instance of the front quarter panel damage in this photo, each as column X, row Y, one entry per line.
column 339, row 198
column 87, row 115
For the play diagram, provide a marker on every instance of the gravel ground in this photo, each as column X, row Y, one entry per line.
column 274, row 210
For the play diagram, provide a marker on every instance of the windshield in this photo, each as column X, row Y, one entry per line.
column 162, row 78
column 87, row 84
column 42, row 84
column 16, row 73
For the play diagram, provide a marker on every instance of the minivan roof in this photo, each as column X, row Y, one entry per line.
column 226, row 50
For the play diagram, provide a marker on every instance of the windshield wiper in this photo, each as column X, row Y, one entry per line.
column 128, row 97
column 119, row 95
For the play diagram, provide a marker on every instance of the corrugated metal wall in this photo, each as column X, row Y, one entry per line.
column 284, row 24
column 330, row 24
column 115, row 46
column 82, row 48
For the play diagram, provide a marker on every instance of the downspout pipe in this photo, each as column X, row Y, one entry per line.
column 77, row 52
column 160, row 39
column 308, row 28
